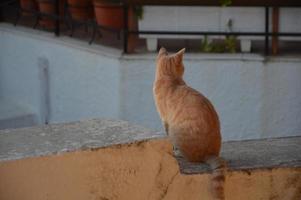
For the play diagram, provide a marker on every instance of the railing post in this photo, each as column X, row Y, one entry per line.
column 125, row 28
column 57, row 19
column 267, row 30
column 1, row 14
column 275, row 27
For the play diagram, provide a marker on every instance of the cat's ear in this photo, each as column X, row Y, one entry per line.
column 179, row 55
column 162, row 51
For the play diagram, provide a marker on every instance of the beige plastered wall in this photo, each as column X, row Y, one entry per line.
column 138, row 171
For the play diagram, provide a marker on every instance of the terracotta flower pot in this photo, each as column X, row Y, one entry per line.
column 109, row 14
column 80, row 9
column 47, row 7
column 132, row 25
column 28, row 5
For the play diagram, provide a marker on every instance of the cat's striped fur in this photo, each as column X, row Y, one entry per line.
column 189, row 118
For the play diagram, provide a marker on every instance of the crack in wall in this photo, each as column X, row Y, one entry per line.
column 165, row 190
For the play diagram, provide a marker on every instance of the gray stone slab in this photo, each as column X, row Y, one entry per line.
column 253, row 154
column 58, row 138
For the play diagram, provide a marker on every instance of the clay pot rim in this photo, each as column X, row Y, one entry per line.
column 79, row 3
column 106, row 3
column 45, row 1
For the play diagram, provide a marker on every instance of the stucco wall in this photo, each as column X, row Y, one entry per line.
column 115, row 160
column 143, row 170
column 255, row 96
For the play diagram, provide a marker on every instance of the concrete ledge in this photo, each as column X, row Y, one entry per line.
column 110, row 159
column 92, row 134
column 254, row 154
column 68, row 137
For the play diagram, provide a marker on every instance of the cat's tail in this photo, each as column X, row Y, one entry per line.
column 217, row 179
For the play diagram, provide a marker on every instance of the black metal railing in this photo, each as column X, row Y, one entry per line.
column 267, row 4
column 57, row 18
column 37, row 14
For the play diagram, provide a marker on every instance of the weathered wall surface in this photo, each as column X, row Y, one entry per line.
column 256, row 97
column 115, row 160
column 143, row 170
column 81, row 83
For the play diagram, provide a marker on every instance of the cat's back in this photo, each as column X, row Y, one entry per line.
column 190, row 105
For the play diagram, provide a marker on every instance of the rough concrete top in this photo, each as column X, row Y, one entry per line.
column 57, row 138
column 254, row 154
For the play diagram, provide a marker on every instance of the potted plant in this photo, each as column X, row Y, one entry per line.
column 110, row 14
column 28, row 6
column 48, row 7
column 225, row 2
column 80, row 10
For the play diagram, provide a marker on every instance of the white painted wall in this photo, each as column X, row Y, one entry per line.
column 82, row 82
column 255, row 97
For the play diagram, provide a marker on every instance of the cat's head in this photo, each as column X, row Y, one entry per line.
column 170, row 65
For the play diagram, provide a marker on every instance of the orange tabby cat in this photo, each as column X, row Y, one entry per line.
column 189, row 118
